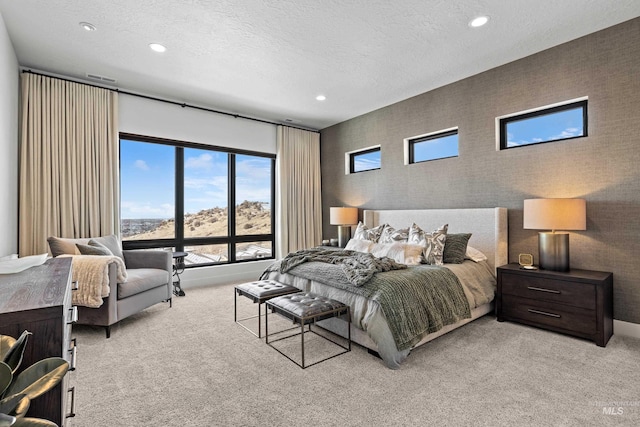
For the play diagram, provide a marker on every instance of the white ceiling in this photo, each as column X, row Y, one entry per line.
column 270, row 58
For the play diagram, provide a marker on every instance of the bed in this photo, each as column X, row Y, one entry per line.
column 370, row 327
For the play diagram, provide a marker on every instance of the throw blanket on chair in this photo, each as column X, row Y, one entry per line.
column 92, row 274
column 359, row 267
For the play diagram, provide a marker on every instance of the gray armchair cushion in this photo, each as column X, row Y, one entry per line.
column 140, row 280
column 148, row 259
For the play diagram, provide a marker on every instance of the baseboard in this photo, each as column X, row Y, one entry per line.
column 223, row 274
column 626, row 328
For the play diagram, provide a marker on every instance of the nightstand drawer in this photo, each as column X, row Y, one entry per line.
column 546, row 313
column 558, row 291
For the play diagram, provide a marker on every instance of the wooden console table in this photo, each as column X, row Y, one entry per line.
column 39, row 300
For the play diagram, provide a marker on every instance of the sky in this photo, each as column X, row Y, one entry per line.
column 550, row 127
column 148, row 179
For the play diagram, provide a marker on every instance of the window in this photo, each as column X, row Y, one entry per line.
column 363, row 160
column 432, row 146
column 553, row 123
column 213, row 203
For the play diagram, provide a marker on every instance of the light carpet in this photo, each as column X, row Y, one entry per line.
column 191, row 365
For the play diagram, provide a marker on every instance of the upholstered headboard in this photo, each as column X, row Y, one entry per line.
column 488, row 226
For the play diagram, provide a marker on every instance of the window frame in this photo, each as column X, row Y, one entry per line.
column 351, row 156
column 409, row 144
column 231, row 240
column 503, row 121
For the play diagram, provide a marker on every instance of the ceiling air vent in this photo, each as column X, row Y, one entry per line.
column 99, row 78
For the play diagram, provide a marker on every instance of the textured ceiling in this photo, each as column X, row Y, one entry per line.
column 270, row 58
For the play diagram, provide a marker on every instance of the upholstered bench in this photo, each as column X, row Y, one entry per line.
column 259, row 292
column 306, row 308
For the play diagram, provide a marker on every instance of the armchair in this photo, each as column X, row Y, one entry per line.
column 148, row 281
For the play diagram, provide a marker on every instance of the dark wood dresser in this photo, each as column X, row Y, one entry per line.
column 577, row 302
column 39, row 300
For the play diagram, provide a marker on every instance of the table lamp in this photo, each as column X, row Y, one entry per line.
column 344, row 218
column 554, row 214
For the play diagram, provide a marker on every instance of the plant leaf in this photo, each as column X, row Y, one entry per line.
column 22, row 407
column 9, row 404
column 5, row 344
column 40, row 377
column 33, row 422
column 6, row 420
column 6, row 376
column 13, row 358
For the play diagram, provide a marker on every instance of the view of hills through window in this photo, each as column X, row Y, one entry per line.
column 148, row 199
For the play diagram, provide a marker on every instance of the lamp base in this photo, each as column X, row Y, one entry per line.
column 344, row 234
column 553, row 249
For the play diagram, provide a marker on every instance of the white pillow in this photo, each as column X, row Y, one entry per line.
column 403, row 253
column 359, row 245
column 475, row 255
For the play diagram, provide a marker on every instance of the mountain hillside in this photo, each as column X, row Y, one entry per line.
column 251, row 218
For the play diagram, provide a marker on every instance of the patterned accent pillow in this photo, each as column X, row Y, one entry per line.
column 391, row 235
column 365, row 233
column 455, row 248
column 433, row 243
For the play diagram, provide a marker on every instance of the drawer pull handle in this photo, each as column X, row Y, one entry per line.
column 74, row 352
column 551, row 291
column 74, row 315
column 74, row 285
column 72, row 412
column 544, row 313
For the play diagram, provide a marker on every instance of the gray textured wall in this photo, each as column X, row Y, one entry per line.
column 603, row 168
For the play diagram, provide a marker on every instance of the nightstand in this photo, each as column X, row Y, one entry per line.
column 577, row 302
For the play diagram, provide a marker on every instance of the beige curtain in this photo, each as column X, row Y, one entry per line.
column 68, row 162
column 299, row 202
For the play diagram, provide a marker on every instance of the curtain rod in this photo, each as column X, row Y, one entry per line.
column 168, row 101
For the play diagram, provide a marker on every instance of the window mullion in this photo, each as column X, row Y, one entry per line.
column 232, row 206
column 179, row 200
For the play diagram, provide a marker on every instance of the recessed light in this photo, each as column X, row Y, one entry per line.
column 87, row 26
column 479, row 21
column 321, row 97
column 156, row 47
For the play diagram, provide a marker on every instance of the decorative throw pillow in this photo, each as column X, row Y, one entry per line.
column 403, row 253
column 365, row 233
column 99, row 245
column 455, row 248
column 358, row 245
column 432, row 243
column 391, row 235
column 61, row 245
column 93, row 250
column 475, row 255
column 113, row 243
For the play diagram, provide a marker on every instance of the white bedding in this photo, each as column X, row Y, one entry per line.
column 478, row 283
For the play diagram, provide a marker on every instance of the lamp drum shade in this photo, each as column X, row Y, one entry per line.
column 555, row 214
column 343, row 216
